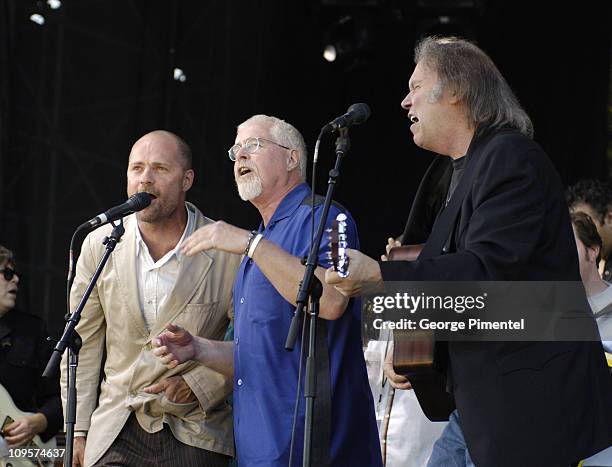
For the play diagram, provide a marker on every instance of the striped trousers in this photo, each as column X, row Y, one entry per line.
column 135, row 447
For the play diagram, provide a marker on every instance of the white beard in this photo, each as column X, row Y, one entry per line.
column 249, row 187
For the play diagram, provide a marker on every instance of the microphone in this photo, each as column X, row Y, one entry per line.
column 355, row 115
column 135, row 203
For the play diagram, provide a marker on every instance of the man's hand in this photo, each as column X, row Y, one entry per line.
column 391, row 243
column 174, row 388
column 364, row 275
column 174, row 346
column 218, row 236
column 78, row 454
column 397, row 381
column 23, row 429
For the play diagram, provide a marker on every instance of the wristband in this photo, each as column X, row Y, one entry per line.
column 253, row 245
column 252, row 234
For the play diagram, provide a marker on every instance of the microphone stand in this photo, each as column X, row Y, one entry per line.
column 70, row 339
column 311, row 286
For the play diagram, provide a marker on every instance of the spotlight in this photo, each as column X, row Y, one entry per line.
column 38, row 19
column 54, row 4
column 179, row 75
column 347, row 40
column 329, row 53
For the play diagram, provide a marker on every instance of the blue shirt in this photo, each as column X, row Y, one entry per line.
column 265, row 374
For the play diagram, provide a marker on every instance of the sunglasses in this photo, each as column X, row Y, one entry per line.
column 8, row 273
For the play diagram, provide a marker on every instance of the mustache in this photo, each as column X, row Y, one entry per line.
column 245, row 164
column 151, row 192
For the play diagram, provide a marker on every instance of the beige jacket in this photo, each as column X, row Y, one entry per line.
column 112, row 322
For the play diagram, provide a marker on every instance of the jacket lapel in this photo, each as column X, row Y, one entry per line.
column 443, row 226
column 192, row 272
column 125, row 268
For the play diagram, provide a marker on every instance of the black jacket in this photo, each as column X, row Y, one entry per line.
column 529, row 404
column 24, row 353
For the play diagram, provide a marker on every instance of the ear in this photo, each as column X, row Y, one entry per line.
column 293, row 160
column 188, row 179
column 453, row 97
column 592, row 253
column 608, row 218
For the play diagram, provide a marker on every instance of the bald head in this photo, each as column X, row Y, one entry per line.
column 171, row 141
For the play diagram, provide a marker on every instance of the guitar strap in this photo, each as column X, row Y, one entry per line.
column 428, row 201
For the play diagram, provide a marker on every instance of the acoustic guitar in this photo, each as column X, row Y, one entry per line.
column 416, row 356
column 36, row 452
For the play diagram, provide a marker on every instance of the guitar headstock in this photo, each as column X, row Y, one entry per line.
column 338, row 245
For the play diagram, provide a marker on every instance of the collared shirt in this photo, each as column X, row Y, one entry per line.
column 265, row 374
column 157, row 278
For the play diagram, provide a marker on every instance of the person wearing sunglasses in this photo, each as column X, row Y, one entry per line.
column 24, row 352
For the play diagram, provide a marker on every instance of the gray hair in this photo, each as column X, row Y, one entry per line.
column 283, row 133
column 469, row 73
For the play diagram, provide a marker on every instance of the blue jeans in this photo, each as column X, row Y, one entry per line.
column 450, row 450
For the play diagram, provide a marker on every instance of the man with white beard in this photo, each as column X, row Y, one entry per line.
column 269, row 158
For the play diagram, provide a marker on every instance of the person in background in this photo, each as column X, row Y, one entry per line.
column 594, row 197
column 24, row 352
column 599, row 294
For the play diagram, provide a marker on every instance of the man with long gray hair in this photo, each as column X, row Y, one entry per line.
column 498, row 214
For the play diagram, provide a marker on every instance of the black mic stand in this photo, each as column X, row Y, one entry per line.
column 71, row 340
column 310, row 286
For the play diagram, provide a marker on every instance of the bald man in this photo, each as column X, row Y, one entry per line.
column 143, row 413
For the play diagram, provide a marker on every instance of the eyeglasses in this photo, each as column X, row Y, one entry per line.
column 8, row 273
column 250, row 146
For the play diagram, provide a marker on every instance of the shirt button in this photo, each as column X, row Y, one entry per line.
column 236, row 340
column 241, row 299
column 239, row 382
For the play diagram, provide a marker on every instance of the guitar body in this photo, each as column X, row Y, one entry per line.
column 9, row 412
column 417, row 357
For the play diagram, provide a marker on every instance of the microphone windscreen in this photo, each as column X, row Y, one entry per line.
column 360, row 112
column 139, row 201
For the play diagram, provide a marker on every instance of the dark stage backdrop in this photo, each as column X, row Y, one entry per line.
column 78, row 90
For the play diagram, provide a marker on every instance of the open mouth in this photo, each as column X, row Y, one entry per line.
column 13, row 292
column 413, row 118
column 243, row 171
